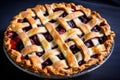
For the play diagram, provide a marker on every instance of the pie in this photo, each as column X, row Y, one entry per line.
column 58, row 39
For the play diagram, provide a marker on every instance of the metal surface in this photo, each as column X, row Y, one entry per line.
column 58, row 77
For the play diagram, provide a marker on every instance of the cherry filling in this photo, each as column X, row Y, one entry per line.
column 60, row 29
column 95, row 56
column 89, row 43
column 11, row 34
column 96, row 28
column 52, row 21
column 20, row 45
column 25, row 29
column 71, row 24
column 48, row 36
column 102, row 39
column 74, row 49
column 74, row 8
column 84, row 19
column 34, row 40
column 58, row 9
column 15, row 41
column 64, row 14
column 39, row 53
column 22, row 20
column 61, row 56
column 24, row 57
column 46, row 63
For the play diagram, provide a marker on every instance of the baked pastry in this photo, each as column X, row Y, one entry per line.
column 58, row 38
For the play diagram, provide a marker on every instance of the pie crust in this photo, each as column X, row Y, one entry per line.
column 58, row 38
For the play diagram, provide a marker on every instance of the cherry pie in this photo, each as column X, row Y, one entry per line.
column 58, row 38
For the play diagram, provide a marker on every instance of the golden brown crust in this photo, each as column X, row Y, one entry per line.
column 62, row 46
column 70, row 64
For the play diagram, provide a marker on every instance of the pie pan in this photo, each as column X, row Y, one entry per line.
column 92, row 68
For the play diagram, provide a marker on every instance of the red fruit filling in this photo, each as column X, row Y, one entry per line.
column 60, row 29
column 15, row 41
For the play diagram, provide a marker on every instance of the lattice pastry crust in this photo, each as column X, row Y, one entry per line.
column 58, row 38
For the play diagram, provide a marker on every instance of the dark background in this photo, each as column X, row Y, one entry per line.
column 109, row 9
